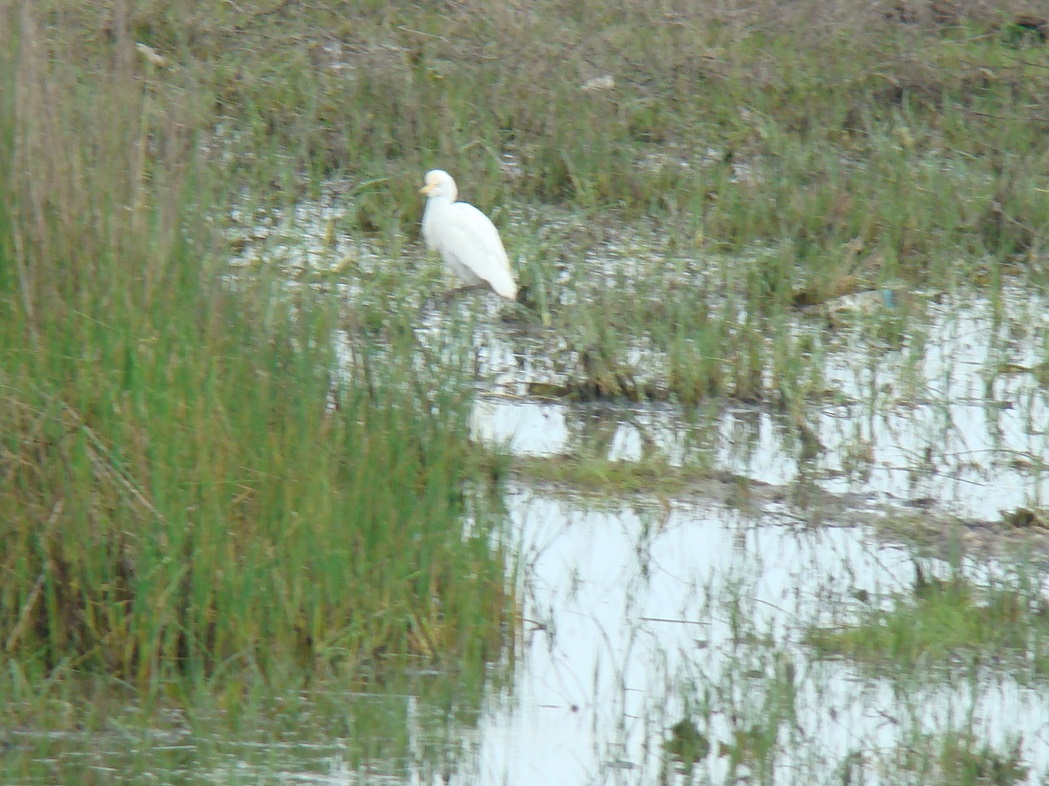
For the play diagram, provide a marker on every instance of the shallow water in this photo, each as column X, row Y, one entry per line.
column 639, row 614
column 629, row 606
column 641, row 611
column 625, row 599
column 953, row 417
column 960, row 425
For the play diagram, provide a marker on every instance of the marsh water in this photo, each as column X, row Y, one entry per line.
column 960, row 425
column 652, row 616
column 643, row 610
column 656, row 621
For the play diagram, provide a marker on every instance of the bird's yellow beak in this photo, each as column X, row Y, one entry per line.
column 426, row 189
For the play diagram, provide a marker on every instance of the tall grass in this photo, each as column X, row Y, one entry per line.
column 187, row 485
column 912, row 130
column 842, row 144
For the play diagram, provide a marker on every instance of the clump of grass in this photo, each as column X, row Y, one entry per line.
column 819, row 126
column 189, row 486
column 822, row 147
column 759, row 702
column 945, row 620
column 598, row 475
column 959, row 758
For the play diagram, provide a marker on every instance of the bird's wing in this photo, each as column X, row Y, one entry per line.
column 469, row 227
column 472, row 239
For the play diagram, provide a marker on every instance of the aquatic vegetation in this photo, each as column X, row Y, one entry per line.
column 191, row 486
column 948, row 621
column 600, row 476
column 755, row 224
column 780, row 167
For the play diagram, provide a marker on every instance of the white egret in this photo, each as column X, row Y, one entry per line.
column 466, row 239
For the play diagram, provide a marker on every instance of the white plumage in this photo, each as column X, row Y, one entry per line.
column 466, row 239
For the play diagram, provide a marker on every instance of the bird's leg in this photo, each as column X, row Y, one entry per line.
column 450, row 295
column 453, row 293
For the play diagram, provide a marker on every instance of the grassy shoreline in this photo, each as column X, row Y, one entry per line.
column 852, row 145
column 187, row 489
column 200, row 516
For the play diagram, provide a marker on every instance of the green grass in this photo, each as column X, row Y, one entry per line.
column 190, row 486
column 165, row 425
column 835, row 135
column 599, row 476
column 795, row 154
column 193, row 498
column 960, row 758
column 947, row 622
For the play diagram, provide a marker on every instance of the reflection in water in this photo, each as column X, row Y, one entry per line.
column 639, row 616
column 948, row 425
column 634, row 614
column 955, row 415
